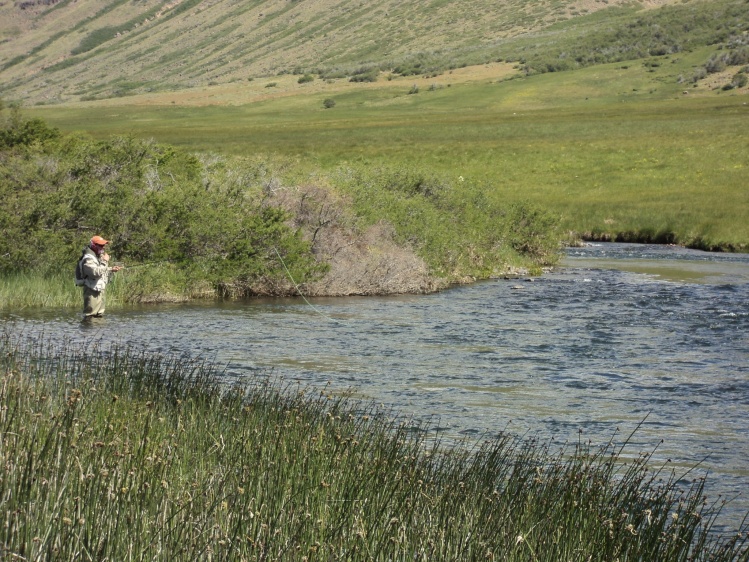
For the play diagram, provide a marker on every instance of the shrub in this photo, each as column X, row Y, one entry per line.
column 328, row 103
column 739, row 80
column 332, row 74
column 460, row 231
column 738, row 57
column 699, row 74
column 306, row 78
column 157, row 203
column 94, row 39
column 63, row 64
column 369, row 75
column 17, row 131
column 716, row 63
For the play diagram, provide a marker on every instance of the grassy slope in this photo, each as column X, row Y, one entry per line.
column 186, row 43
column 613, row 148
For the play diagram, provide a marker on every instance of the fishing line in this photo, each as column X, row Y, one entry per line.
column 298, row 290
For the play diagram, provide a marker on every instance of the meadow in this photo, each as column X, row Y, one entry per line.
column 112, row 453
column 618, row 151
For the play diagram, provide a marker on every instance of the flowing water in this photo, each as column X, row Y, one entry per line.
column 620, row 336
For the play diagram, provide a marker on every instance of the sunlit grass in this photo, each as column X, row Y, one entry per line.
column 114, row 454
column 28, row 290
column 160, row 282
column 32, row 290
column 616, row 149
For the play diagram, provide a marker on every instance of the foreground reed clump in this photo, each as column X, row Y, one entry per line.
column 119, row 455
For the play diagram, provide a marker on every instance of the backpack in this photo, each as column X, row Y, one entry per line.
column 79, row 277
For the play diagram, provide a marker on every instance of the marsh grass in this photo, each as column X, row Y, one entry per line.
column 116, row 454
column 30, row 290
column 159, row 282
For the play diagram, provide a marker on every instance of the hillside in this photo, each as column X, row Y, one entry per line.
column 62, row 50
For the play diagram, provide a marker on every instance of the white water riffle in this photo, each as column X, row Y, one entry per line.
column 619, row 334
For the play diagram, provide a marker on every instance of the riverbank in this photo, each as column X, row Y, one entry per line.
column 667, row 237
column 151, row 454
column 194, row 225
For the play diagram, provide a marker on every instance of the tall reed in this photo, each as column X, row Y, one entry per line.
column 30, row 290
column 161, row 282
column 121, row 455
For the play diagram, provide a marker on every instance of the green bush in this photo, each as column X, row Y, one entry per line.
column 328, row 103
column 716, row 63
column 366, row 74
column 461, row 229
column 63, row 64
column 94, row 39
column 17, row 131
column 306, row 78
column 14, row 61
column 156, row 203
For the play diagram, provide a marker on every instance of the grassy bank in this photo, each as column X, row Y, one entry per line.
column 27, row 290
column 116, row 454
column 615, row 150
column 192, row 225
column 160, row 282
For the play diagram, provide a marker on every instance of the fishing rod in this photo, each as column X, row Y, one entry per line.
column 136, row 266
column 298, row 290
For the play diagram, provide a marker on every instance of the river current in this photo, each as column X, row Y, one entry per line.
column 619, row 336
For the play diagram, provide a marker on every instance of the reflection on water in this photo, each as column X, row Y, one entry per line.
column 621, row 334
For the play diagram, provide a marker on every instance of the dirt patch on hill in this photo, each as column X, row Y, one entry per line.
column 717, row 80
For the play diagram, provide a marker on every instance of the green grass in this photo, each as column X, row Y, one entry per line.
column 115, row 454
column 32, row 290
column 161, row 282
column 614, row 149
column 29, row 290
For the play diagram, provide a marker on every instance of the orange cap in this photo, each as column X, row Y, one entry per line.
column 99, row 241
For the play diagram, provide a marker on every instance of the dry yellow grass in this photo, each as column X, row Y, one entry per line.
column 242, row 92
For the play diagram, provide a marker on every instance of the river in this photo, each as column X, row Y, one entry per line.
column 620, row 335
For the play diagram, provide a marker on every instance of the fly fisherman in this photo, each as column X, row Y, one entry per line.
column 92, row 273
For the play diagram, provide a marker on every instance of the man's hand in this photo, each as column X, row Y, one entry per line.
column 105, row 257
column 117, row 268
